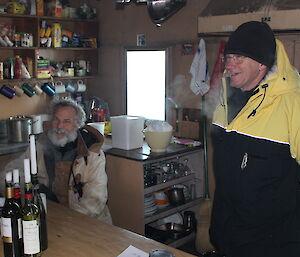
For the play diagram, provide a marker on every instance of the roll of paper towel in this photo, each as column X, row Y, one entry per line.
column 99, row 126
column 37, row 124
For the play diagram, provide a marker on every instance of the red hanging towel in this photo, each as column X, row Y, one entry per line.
column 215, row 80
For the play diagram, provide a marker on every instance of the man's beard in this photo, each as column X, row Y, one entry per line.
column 69, row 136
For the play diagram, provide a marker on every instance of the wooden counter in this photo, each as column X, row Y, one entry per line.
column 73, row 234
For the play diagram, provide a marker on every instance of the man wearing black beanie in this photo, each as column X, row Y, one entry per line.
column 256, row 142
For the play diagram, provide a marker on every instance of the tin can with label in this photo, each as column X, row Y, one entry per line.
column 25, row 40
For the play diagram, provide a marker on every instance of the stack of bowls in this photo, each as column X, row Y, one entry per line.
column 150, row 206
column 161, row 199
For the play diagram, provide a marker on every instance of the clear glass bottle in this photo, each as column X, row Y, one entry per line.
column 37, row 199
column 30, row 218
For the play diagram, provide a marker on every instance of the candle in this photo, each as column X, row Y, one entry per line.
column 33, row 155
column 27, row 171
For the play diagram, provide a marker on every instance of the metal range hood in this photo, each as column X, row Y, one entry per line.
column 222, row 17
column 159, row 10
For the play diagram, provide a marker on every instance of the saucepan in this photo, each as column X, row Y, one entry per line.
column 174, row 230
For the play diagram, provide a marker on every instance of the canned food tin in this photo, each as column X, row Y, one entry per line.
column 25, row 40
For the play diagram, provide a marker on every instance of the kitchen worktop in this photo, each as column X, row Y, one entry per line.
column 71, row 233
column 140, row 154
column 144, row 153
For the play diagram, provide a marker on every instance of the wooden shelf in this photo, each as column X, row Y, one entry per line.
column 18, row 81
column 169, row 183
column 27, row 16
column 10, row 15
column 68, row 48
column 31, row 24
column 17, row 48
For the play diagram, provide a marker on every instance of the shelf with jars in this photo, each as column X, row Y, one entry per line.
column 69, row 44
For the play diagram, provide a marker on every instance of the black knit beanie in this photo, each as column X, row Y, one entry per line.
column 255, row 40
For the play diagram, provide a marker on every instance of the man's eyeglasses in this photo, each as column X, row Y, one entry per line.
column 236, row 59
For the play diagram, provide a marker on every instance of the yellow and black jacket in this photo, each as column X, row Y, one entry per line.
column 256, row 162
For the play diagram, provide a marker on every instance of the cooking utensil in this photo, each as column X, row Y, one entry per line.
column 160, row 10
column 174, row 230
column 189, row 220
column 19, row 128
column 176, row 196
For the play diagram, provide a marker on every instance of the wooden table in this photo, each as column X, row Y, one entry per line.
column 72, row 234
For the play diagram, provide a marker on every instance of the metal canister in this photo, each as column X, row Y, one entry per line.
column 19, row 128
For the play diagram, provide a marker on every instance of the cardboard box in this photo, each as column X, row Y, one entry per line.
column 56, row 35
column 127, row 132
column 40, row 8
column 54, row 8
column 189, row 129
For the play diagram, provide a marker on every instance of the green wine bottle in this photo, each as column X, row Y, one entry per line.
column 11, row 223
column 37, row 199
column 30, row 218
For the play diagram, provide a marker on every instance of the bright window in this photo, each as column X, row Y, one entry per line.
column 146, row 79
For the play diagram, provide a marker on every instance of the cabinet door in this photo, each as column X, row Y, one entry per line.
column 126, row 193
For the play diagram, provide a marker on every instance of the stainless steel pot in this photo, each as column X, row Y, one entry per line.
column 3, row 131
column 19, row 128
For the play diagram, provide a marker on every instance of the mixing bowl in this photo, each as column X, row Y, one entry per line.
column 158, row 141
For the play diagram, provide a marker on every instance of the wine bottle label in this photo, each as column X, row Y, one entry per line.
column 31, row 237
column 6, row 230
column 20, row 228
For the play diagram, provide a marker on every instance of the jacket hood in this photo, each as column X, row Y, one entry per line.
column 89, row 139
column 282, row 77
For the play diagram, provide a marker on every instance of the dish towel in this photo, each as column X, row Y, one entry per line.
column 199, row 71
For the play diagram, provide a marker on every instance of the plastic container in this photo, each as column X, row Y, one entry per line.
column 127, row 132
